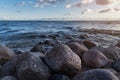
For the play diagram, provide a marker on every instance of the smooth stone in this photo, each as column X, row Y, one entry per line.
column 77, row 48
column 89, row 44
column 94, row 58
column 61, row 59
column 38, row 48
column 31, row 67
column 9, row 68
column 8, row 78
column 116, row 65
column 6, row 54
column 96, row 74
column 59, row 77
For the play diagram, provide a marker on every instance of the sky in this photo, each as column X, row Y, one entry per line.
column 59, row 9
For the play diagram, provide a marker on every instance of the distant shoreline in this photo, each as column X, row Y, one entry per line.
column 66, row 20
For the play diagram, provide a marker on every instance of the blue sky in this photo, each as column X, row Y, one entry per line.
column 58, row 9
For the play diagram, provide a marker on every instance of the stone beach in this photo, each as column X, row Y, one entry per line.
column 62, row 57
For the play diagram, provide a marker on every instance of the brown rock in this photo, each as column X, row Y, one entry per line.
column 89, row 44
column 96, row 74
column 112, row 52
column 9, row 68
column 77, row 48
column 62, row 59
column 5, row 54
column 94, row 58
column 59, row 77
column 31, row 67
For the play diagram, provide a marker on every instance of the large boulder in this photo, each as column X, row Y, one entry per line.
column 94, row 58
column 89, row 44
column 8, row 78
column 9, row 68
column 79, row 49
column 96, row 74
column 61, row 59
column 31, row 67
column 118, row 44
column 111, row 52
column 59, row 77
column 116, row 65
column 5, row 54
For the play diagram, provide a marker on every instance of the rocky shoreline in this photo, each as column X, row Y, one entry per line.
column 64, row 58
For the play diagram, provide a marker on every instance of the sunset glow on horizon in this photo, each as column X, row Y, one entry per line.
column 59, row 9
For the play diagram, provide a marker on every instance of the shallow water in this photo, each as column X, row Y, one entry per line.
column 24, row 34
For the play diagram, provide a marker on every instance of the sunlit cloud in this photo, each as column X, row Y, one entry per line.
column 87, row 11
column 21, row 3
column 42, row 3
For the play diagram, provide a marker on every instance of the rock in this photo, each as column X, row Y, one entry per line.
column 38, row 48
column 68, row 37
column 53, row 36
column 17, row 51
column 94, row 58
column 9, row 68
column 5, row 54
column 118, row 44
column 31, row 67
column 112, row 52
column 77, row 48
column 48, row 42
column 61, row 59
column 59, row 77
column 43, row 36
column 116, row 65
column 8, row 78
column 83, row 36
column 96, row 74
column 89, row 44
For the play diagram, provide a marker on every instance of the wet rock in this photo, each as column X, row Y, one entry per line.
column 61, row 59
column 118, row 44
column 59, row 77
column 68, row 37
column 5, row 54
column 112, row 52
column 31, row 67
column 53, row 36
column 77, row 48
column 43, row 36
column 96, row 74
column 8, row 78
column 116, row 65
column 17, row 51
column 48, row 42
column 9, row 68
column 83, row 36
column 94, row 58
column 89, row 44
column 38, row 48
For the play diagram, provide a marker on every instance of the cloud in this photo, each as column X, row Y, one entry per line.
column 109, row 10
column 97, row 2
column 79, row 4
column 106, row 2
column 86, row 11
column 42, row 3
column 21, row 3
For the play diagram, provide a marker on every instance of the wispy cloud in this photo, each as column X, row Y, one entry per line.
column 87, row 11
column 42, row 3
column 21, row 3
